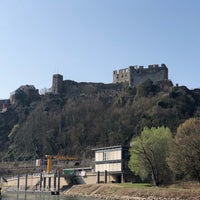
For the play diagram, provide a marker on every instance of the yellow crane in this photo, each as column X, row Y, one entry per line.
column 59, row 157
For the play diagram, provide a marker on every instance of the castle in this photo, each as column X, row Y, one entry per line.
column 135, row 75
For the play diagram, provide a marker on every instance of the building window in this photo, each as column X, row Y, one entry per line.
column 105, row 155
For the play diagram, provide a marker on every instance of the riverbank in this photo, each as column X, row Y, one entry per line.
column 117, row 192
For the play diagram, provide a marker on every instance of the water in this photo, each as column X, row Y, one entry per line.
column 41, row 196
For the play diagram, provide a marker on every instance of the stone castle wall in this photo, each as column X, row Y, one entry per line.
column 134, row 75
column 57, row 84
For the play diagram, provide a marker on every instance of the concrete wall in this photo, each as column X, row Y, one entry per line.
column 91, row 178
column 34, row 180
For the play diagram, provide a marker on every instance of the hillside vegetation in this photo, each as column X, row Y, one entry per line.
column 90, row 115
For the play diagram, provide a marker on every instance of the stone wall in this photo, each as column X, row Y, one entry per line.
column 134, row 75
column 24, row 94
column 57, row 84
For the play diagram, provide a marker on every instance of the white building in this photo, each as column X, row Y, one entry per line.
column 111, row 163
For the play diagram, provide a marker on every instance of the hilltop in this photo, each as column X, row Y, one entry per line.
column 89, row 115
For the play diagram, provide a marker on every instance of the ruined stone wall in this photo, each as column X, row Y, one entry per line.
column 57, row 84
column 134, row 75
column 122, row 76
column 25, row 93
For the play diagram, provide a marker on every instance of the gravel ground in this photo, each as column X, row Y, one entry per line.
column 116, row 192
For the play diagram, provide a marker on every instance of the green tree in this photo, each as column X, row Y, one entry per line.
column 184, row 157
column 149, row 152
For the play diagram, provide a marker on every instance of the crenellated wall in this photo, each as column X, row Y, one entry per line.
column 135, row 75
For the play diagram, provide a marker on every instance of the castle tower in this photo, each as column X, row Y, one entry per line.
column 135, row 75
column 57, row 84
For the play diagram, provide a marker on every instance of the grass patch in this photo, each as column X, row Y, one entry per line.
column 134, row 185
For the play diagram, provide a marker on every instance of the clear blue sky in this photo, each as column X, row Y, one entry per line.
column 85, row 40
